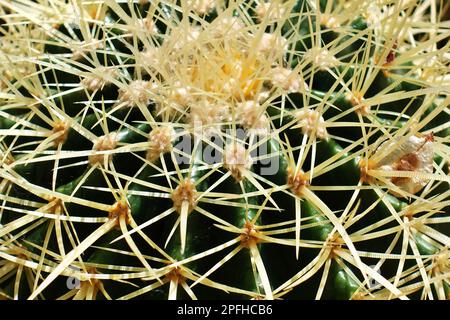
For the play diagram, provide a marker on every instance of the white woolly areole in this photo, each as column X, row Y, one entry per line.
column 186, row 37
column 174, row 98
column 232, row 88
column 373, row 16
column 201, row 7
column 149, row 59
column 270, row 10
column 98, row 78
column 321, row 58
column 160, row 141
column 180, row 95
column 287, row 80
column 136, row 92
column 149, row 26
column 310, row 121
column 103, row 143
column 145, row 25
column 250, row 115
column 272, row 44
column 415, row 154
column 263, row 95
column 237, row 160
column 208, row 117
column 83, row 48
column 227, row 26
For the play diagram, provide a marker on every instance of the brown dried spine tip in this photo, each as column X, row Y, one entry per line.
column 311, row 121
column 391, row 55
column 387, row 61
column 184, row 192
column 62, row 129
column 160, row 142
column 120, row 210
column 429, row 137
column 237, row 160
column 297, row 182
column 104, row 143
column 249, row 237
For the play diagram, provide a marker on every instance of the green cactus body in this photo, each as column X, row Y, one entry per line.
column 224, row 150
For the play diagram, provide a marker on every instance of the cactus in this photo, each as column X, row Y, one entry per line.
column 201, row 149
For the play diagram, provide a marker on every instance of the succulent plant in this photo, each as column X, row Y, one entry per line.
column 201, row 149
